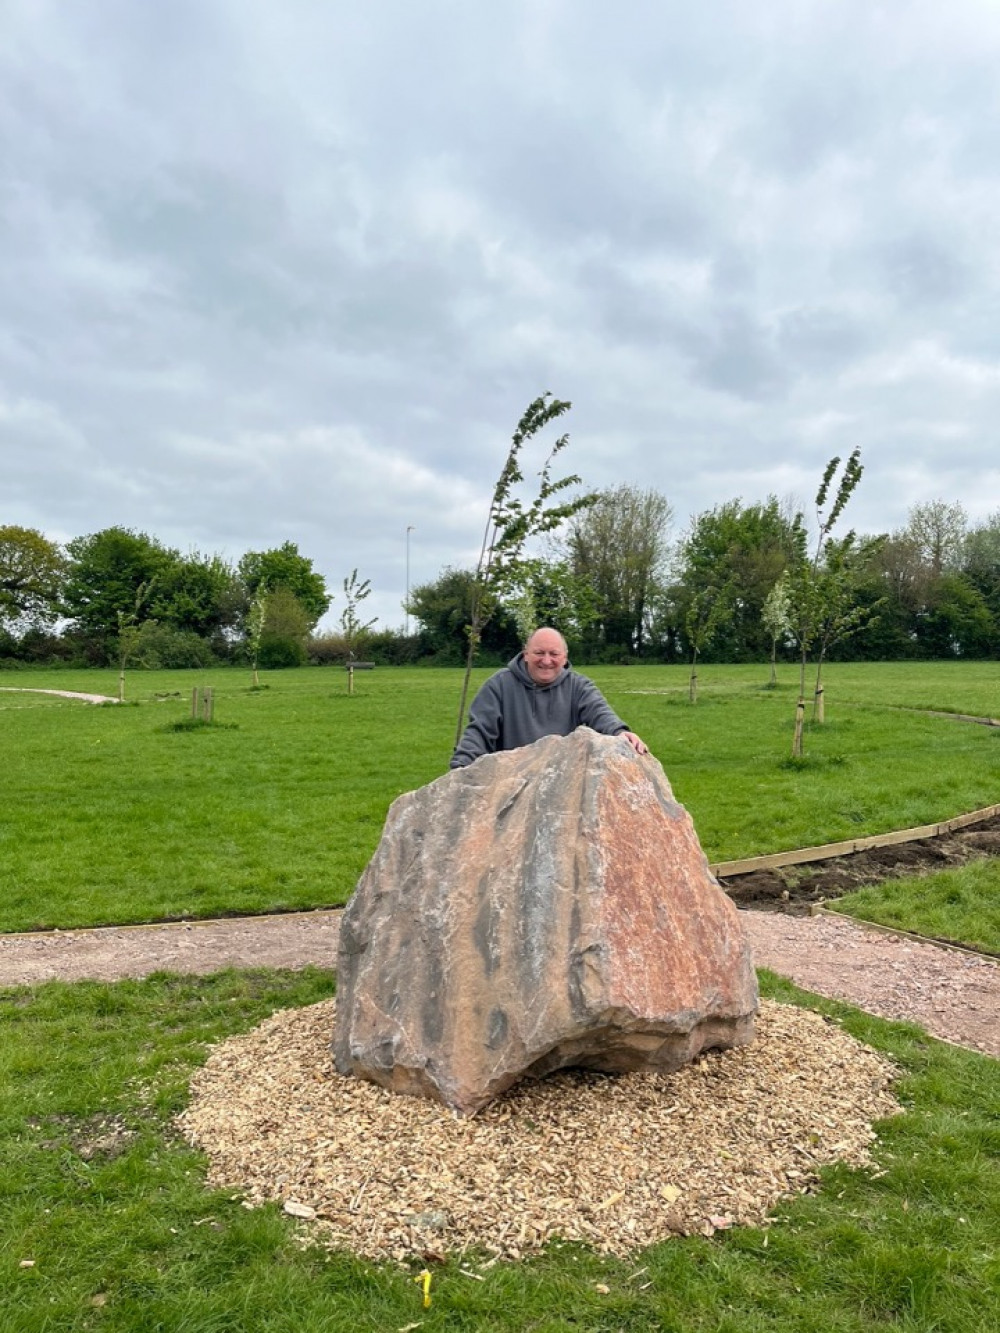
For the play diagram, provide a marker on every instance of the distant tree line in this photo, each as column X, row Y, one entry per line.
column 742, row 583
column 118, row 594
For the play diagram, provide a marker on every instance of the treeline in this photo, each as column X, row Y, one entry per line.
column 118, row 594
column 743, row 582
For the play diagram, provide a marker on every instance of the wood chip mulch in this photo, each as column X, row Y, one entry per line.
column 618, row 1162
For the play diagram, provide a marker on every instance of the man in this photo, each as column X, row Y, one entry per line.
column 536, row 694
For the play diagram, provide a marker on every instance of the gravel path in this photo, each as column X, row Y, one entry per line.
column 112, row 952
column 952, row 995
column 63, row 694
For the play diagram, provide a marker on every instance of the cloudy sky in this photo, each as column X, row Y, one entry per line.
column 292, row 271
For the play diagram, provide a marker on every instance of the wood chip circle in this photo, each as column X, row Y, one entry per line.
column 617, row 1162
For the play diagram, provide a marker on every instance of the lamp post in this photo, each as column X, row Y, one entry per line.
column 408, row 531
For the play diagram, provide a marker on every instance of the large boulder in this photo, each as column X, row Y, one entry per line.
column 543, row 907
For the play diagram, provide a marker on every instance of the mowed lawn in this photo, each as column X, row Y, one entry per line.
column 110, row 814
column 108, row 1223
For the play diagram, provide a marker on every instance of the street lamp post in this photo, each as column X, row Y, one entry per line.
column 408, row 531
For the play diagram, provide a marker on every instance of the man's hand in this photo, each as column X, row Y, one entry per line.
column 636, row 742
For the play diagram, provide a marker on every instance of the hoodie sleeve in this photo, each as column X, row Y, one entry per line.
column 594, row 711
column 482, row 734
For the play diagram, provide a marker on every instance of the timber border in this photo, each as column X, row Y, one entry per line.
column 829, row 850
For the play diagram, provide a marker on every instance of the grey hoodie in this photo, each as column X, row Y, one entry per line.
column 510, row 710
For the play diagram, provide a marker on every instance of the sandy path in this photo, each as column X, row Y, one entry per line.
column 63, row 694
column 109, row 953
column 952, row 995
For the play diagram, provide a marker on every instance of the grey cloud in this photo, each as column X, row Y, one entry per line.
column 924, row 270
column 822, row 340
column 254, row 256
column 738, row 356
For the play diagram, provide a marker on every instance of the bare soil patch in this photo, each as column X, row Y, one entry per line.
column 616, row 1162
column 794, row 889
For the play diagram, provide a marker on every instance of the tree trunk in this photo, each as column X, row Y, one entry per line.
column 774, row 653
column 474, row 636
column 800, row 713
column 818, row 713
column 121, row 684
column 693, row 683
column 800, row 709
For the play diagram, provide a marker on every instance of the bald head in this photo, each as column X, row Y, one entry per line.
column 545, row 655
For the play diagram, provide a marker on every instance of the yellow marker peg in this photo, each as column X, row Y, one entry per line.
column 424, row 1279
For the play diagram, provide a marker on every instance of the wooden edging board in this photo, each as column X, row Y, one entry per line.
column 826, row 852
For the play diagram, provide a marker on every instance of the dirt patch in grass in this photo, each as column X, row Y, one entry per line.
column 795, row 889
column 95, row 1137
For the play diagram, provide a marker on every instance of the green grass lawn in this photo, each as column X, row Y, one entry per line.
column 961, row 905
column 109, row 1206
column 110, row 814
column 955, row 687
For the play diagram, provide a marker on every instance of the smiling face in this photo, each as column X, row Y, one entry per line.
column 545, row 656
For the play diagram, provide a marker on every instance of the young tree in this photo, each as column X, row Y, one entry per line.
column 843, row 608
column 776, row 618
column 809, row 591
column 709, row 609
column 128, row 634
column 503, row 565
column 352, row 627
column 255, row 621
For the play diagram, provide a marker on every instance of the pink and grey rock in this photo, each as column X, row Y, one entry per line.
column 543, row 907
